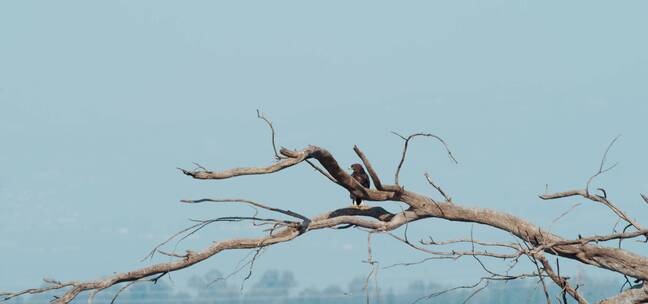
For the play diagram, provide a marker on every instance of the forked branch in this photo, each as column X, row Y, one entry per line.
column 407, row 140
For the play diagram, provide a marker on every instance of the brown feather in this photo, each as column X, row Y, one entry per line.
column 361, row 177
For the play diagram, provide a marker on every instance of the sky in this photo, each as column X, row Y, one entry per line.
column 101, row 101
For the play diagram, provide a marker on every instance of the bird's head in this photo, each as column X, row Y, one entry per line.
column 357, row 168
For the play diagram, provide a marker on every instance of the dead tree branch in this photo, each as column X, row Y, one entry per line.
column 537, row 242
column 431, row 182
column 595, row 198
column 269, row 123
column 634, row 295
column 255, row 204
column 407, row 140
column 560, row 281
column 602, row 168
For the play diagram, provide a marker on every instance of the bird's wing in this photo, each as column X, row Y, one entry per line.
column 365, row 181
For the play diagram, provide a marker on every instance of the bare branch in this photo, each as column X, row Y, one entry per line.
column 560, row 281
column 634, row 295
column 386, row 221
column 422, row 261
column 370, row 169
column 604, row 257
column 407, row 139
column 436, row 294
column 251, row 263
column 53, row 285
column 473, row 241
column 601, row 168
column 431, row 182
column 323, row 157
column 154, row 280
column 544, row 286
column 156, row 248
column 374, row 269
column 240, row 200
column 562, row 215
column 320, row 170
column 274, row 146
column 609, row 258
column 475, row 292
column 597, row 238
column 372, row 173
column 293, row 159
column 239, row 266
column 171, row 254
column 279, row 157
column 456, row 253
column 594, row 198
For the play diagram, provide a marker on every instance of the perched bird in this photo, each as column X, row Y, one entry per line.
column 362, row 178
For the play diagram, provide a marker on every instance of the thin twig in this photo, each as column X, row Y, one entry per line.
column 407, row 140
column 240, row 200
column 562, row 215
column 438, row 188
column 438, row 293
column 154, row 280
column 249, row 274
column 476, row 292
column 374, row 269
column 596, row 198
column 602, row 170
column 320, row 170
column 544, row 285
column 274, row 146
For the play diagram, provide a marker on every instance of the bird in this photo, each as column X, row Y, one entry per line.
column 362, row 178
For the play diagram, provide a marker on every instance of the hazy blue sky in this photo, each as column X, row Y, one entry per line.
column 101, row 101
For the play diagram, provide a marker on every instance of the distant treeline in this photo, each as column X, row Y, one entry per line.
column 281, row 287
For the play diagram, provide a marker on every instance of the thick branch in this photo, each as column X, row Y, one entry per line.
column 384, row 221
column 614, row 259
column 609, row 258
column 294, row 157
column 370, row 169
column 630, row 296
column 190, row 259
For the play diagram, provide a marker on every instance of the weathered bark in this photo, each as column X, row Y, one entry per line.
column 614, row 259
column 630, row 296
